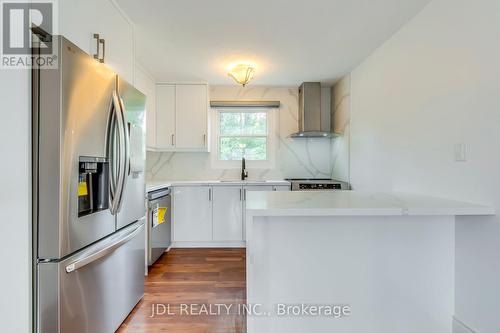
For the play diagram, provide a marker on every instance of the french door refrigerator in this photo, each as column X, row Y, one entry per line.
column 88, row 195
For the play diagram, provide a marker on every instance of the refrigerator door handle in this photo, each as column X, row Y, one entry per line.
column 123, row 151
column 125, row 163
column 127, row 136
column 104, row 251
column 112, row 154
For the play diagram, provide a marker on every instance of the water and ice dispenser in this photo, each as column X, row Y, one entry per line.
column 93, row 183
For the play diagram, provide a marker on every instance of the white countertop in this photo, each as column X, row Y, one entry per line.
column 336, row 203
column 157, row 185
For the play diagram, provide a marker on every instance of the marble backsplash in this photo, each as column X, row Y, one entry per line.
column 295, row 158
column 341, row 104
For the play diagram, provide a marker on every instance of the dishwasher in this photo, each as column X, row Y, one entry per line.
column 159, row 222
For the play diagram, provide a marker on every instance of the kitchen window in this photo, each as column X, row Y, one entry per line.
column 243, row 133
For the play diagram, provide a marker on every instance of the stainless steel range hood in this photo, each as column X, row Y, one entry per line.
column 310, row 122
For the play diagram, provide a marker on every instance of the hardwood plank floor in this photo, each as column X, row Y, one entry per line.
column 183, row 278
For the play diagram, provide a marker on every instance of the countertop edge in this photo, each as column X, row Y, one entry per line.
column 354, row 203
column 275, row 212
column 159, row 186
column 480, row 211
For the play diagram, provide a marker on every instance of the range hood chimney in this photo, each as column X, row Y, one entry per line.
column 310, row 112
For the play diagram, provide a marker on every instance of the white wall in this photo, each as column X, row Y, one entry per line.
column 308, row 158
column 434, row 84
column 15, row 201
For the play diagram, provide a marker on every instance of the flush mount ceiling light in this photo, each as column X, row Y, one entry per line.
column 242, row 73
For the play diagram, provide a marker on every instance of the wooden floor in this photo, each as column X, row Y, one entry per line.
column 195, row 277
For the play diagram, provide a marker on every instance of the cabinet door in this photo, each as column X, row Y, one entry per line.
column 81, row 19
column 227, row 213
column 192, row 213
column 255, row 188
column 245, row 191
column 191, row 116
column 165, row 116
column 118, row 35
column 281, row 188
column 77, row 22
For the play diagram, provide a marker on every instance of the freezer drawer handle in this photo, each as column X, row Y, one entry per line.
column 102, row 252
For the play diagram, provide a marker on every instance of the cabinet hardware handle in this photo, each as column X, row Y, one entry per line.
column 245, row 195
column 172, row 139
column 241, row 198
column 98, row 44
column 204, row 140
column 209, row 194
column 103, row 43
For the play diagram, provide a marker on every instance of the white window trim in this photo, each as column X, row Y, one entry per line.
column 271, row 140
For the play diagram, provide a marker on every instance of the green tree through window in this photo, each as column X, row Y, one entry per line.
column 243, row 134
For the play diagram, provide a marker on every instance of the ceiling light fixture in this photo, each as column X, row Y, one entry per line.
column 242, row 73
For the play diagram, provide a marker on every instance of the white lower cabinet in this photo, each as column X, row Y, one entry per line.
column 212, row 215
column 255, row 188
column 281, row 188
column 192, row 214
column 245, row 191
column 227, row 213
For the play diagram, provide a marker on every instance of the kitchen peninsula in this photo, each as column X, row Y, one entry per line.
column 389, row 257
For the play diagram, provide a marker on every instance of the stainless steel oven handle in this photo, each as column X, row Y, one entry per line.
column 104, row 251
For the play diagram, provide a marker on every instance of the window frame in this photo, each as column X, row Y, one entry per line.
column 250, row 164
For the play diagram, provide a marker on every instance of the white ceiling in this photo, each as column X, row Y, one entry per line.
column 290, row 41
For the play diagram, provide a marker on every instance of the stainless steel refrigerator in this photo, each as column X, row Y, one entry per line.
column 88, row 195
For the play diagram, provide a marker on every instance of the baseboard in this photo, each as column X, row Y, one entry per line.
column 460, row 327
column 238, row 244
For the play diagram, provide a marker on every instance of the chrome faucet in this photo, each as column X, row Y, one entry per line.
column 244, row 171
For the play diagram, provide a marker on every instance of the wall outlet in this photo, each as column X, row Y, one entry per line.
column 461, row 152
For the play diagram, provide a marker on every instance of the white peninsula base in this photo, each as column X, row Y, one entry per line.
column 389, row 259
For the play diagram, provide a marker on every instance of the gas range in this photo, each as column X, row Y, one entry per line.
column 320, row 184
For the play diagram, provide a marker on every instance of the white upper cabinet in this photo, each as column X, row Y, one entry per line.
column 164, row 126
column 181, row 117
column 191, row 116
column 81, row 19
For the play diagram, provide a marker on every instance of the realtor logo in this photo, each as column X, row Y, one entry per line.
column 27, row 30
